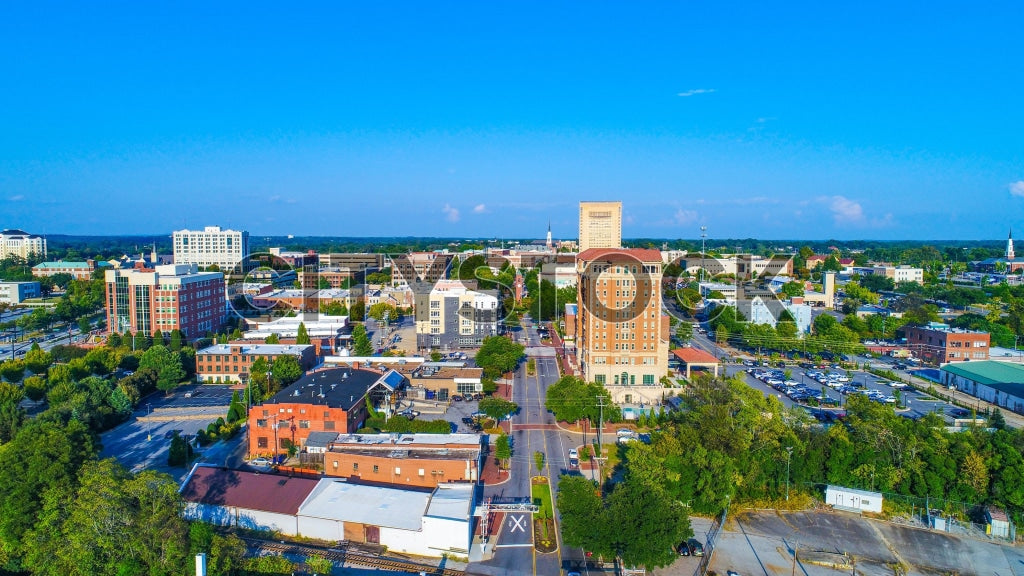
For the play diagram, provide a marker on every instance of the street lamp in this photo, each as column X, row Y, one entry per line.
column 703, row 237
column 149, row 425
column 789, row 455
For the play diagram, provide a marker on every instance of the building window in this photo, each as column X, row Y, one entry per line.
column 599, row 379
column 261, row 442
column 398, row 471
column 261, row 423
column 376, row 468
column 329, row 425
column 422, row 474
column 304, row 424
column 355, row 466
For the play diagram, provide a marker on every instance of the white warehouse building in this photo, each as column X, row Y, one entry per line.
column 421, row 522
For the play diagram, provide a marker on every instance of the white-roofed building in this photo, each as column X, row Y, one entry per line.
column 409, row 521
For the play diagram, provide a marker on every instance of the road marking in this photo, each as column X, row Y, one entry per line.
column 516, row 523
column 530, row 545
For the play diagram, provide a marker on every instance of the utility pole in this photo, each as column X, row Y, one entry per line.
column 796, row 550
column 789, row 455
column 600, row 428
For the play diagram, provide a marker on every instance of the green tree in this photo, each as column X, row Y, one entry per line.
column 302, row 336
column 236, row 410
column 649, row 524
column 44, row 455
column 12, row 370
column 319, row 565
column 361, row 345
column 503, row 450
column 114, row 340
column 498, row 355
column 572, row 399
column 227, row 555
column 11, row 419
column 582, row 514
column 177, row 454
column 358, row 310
column 538, row 460
column 498, row 408
column 38, row 361
column 381, row 309
column 272, row 339
column 793, row 289
column 176, row 341
column 166, row 364
column 684, row 331
column 84, row 325
column 286, row 369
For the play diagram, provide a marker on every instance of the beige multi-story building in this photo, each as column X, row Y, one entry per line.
column 21, row 244
column 211, row 246
column 622, row 337
column 601, row 225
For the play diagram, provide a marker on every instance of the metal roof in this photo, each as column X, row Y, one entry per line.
column 454, row 500
column 336, row 499
column 250, row 490
column 1002, row 376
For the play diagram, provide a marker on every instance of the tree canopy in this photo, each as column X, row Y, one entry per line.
column 498, row 355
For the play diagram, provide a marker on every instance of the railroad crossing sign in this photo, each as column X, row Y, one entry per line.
column 516, row 523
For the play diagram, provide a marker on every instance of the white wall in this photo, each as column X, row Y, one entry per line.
column 437, row 536
column 854, row 500
column 230, row 516
column 321, row 528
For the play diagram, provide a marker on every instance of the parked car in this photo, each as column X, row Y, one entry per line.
column 696, row 548
column 260, row 462
column 573, row 453
column 457, row 398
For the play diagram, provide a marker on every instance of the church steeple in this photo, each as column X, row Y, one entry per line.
column 548, row 243
column 1009, row 246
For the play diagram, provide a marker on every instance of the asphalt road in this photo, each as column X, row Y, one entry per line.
column 514, row 553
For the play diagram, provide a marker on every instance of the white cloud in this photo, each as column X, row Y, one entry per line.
column 844, row 210
column 17, row 198
column 695, row 92
column 450, row 214
column 1017, row 188
column 685, row 217
column 480, row 208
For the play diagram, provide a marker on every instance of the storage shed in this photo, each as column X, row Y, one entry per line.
column 998, row 523
column 853, row 499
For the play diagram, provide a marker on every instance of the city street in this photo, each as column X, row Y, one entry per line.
column 534, row 430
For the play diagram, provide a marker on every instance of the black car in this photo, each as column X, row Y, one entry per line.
column 684, row 549
column 467, row 420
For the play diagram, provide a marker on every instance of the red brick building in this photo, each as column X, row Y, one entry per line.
column 230, row 362
column 171, row 297
column 423, row 460
column 324, row 401
column 937, row 343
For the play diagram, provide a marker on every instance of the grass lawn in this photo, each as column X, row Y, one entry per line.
column 542, row 497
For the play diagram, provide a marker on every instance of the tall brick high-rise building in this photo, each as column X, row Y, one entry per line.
column 622, row 337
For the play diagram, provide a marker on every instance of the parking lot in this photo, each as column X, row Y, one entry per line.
column 763, row 543
column 836, row 385
column 143, row 442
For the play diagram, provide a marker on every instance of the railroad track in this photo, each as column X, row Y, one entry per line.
column 351, row 557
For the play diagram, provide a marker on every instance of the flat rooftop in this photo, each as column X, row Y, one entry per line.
column 271, row 349
column 335, row 499
column 408, row 440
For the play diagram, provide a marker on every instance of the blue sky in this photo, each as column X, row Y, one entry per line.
column 864, row 120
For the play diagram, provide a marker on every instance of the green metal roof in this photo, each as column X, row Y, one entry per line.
column 69, row 264
column 1002, row 376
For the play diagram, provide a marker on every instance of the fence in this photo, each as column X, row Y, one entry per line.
column 709, row 547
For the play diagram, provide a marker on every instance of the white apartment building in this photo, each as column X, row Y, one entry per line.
column 19, row 243
column 211, row 246
column 900, row 273
column 453, row 316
